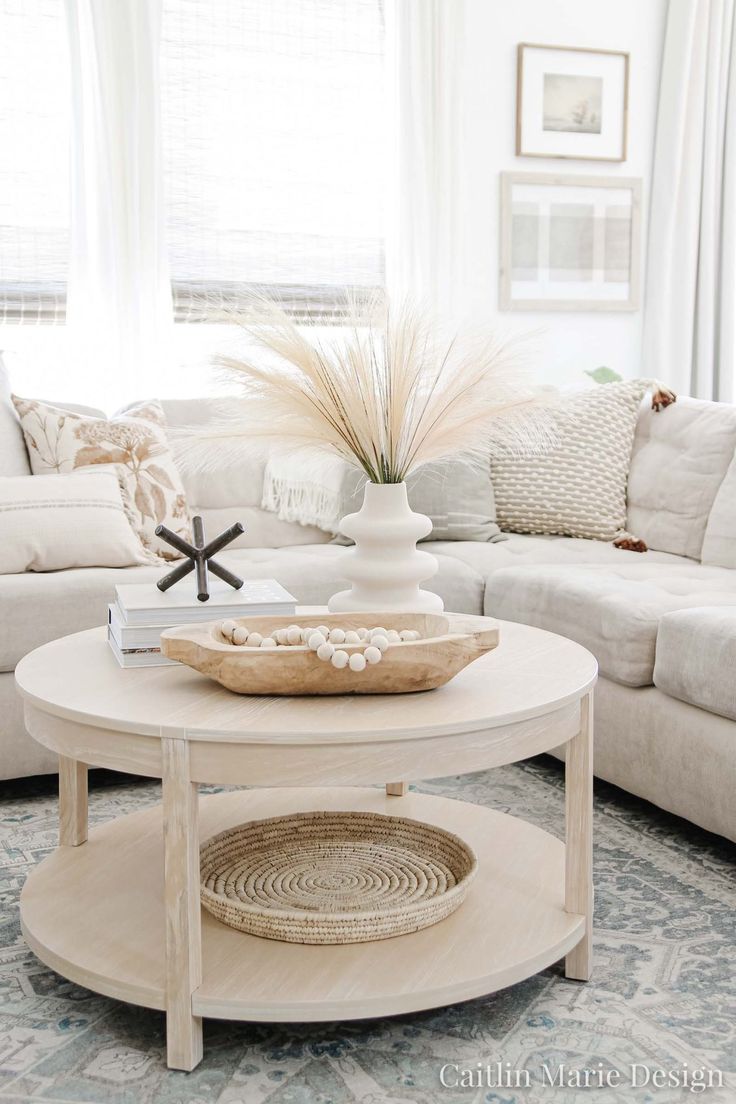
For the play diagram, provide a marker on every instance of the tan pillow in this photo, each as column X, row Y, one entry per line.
column 578, row 489
column 61, row 442
column 54, row 522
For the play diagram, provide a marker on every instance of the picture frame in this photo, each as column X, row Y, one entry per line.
column 569, row 242
column 571, row 102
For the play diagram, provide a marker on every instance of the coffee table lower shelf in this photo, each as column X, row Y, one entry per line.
column 96, row 915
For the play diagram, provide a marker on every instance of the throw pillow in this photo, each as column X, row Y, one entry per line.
column 578, row 488
column 55, row 522
column 317, row 490
column 62, row 442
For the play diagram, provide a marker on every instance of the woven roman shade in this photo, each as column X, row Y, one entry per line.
column 273, row 133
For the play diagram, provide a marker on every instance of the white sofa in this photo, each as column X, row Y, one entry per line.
column 661, row 623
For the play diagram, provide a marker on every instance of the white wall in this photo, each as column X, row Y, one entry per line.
column 570, row 342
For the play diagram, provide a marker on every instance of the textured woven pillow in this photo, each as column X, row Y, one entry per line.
column 578, row 489
column 136, row 444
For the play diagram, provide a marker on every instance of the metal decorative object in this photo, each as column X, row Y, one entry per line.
column 199, row 557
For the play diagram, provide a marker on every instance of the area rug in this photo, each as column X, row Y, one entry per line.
column 657, row 1025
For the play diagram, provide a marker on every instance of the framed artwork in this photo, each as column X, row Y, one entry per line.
column 571, row 102
column 569, row 242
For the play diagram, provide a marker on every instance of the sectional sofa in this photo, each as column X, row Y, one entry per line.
column 662, row 623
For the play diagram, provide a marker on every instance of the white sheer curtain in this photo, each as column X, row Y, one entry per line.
column 119, row 305
column 690, row 305
column 423, row 250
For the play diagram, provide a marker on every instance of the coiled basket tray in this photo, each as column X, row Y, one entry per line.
column 334, row 877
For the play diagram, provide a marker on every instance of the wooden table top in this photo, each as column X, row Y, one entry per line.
column 530, row 674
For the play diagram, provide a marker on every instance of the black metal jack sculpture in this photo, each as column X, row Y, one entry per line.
column 199, row 557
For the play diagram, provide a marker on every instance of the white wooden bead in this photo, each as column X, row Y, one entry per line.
column 326, row 650
column 294, row 634
column 406, row 634
column 324, row 630
column 227, row 628
column 392, row 636
column 254, row 640
column 380, row 631
column 281, row 637
column 351, row 637
column 363, row 634
column 337, row 636
column 357, row 661
column 380, row 641
column 240, row 636
column 316, row 639
column 339, row 660
column 373, row 654
column 268, row 642
column 306, row 633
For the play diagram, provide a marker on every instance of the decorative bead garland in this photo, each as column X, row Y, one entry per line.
column 323, row 641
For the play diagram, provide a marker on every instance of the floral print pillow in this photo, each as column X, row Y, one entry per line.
column 137, row 446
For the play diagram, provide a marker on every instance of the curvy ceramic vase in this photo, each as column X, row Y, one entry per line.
column 385, row 566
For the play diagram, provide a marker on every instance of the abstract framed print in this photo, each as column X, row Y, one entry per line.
column 569, row 242
column 571, row 102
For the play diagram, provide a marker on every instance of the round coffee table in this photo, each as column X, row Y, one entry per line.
column 121, row 914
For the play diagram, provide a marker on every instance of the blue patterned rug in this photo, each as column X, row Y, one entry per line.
column 661, row 1008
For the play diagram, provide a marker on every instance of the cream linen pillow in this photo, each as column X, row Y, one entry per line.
column 136, row 443
column 578, row 488
column 54, row 522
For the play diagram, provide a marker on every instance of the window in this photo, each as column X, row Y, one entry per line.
column 273, row 124
column 34, row 162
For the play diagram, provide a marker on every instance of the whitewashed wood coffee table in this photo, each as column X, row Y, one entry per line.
column 121, row 914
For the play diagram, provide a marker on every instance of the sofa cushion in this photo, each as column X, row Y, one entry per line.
column 75, row 600
column 262, row 528
column 679, row 459
column 523, row 549
column 13, row 455
column 696, row 658
column 719, row 543
column 615, row 613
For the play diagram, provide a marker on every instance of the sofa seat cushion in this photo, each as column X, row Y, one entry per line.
column 615, row 613
column 696, row 658
column 38, row 607
column 521, row 549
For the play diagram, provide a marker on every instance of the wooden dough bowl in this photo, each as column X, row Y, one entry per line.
column 448, row 643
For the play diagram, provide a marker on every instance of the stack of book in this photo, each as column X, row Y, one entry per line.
column 141, row 612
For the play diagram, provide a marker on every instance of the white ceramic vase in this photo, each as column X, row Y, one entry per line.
column 385, row 566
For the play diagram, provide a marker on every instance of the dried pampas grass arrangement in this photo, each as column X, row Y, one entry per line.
column 387, row 393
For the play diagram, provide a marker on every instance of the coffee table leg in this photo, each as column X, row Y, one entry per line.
column 72, row 802
column 579, row 839
column 182, row 908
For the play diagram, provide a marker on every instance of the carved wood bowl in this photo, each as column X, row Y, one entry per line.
column 449, row 642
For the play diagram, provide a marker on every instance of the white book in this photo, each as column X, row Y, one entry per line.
column 139, row 657
column 143, row 604
column 132, row 636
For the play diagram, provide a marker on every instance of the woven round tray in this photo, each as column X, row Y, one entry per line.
column 332, row 877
